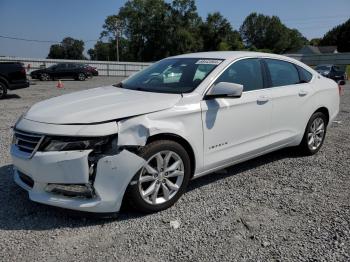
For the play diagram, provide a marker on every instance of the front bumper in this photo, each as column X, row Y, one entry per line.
column 113, row 175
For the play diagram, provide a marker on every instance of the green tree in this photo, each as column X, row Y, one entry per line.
column 217, row 34
column 296, row 40
column 101, row 51
column 56, row 52
column 315, row 41
column 69, row 48
column 265, row 32
column 146, row 28
column 339, row 36
column 184, row 26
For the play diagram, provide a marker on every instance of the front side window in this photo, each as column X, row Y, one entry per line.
column 282, row 73
column 246, row 72
column 174, row 75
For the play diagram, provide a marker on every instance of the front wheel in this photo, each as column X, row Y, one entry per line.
column 314, row 135
column 3, row 90
column 163, row 178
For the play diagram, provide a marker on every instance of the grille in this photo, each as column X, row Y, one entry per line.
column 27, row 142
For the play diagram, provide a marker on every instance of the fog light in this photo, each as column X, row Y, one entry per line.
column 71, row 190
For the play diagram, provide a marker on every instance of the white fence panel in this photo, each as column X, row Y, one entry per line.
column 105, row 68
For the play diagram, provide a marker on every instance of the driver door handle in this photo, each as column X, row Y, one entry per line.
column 303, row 93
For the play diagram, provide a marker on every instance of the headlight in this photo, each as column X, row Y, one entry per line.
column 68, row 144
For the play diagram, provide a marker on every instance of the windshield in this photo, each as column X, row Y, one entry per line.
column 174, row 75
column 323, row 67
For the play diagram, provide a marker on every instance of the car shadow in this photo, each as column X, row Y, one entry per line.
column 12, row 96
column 242, row 167
column 17, row 212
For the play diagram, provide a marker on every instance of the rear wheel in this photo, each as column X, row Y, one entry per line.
column 44, row 77
column 3, row 90
column 163, row 178
column 314, row 135
column 81, row 77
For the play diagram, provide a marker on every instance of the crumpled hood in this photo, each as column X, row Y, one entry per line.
column 99, row 105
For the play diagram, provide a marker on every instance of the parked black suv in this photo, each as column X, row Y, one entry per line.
column 12, row 76
column 62, row 71
column 331, row 71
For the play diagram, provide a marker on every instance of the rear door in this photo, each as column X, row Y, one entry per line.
column 290, row 92
column 72, row 70
column 60, row 71
column 235, row 127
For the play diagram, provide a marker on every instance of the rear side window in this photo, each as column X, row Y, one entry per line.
column 245, row 72
column 282, row 73
column 61, row 66
column 305, row 76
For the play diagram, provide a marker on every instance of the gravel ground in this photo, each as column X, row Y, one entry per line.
column 279, row 207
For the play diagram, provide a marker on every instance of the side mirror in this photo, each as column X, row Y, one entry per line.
column 341, row 82
column 225, row 90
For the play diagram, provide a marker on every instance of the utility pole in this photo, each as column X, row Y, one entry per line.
column 117, row 30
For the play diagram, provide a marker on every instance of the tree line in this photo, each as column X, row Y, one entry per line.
column 153, row 29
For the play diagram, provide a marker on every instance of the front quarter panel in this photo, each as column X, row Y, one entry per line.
column 183, row 120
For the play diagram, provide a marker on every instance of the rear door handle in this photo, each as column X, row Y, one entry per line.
column 303, row 93
column 263, row 99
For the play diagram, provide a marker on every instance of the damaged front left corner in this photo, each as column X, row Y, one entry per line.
column 132, row 133
column 113, row 176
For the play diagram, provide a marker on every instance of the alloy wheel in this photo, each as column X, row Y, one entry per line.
column 1, row 90
column 45, row 77
column 81, row 77
column 316, row 133
column 161, row 177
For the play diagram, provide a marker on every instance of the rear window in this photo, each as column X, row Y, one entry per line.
column 305, row 76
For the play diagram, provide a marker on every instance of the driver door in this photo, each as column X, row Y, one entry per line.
column 235, row 128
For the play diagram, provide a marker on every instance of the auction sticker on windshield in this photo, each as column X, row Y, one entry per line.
column 208, row 62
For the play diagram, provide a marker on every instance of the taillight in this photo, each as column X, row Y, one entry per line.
column 23, row 71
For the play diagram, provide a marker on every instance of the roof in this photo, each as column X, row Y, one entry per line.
column 228, row 55
column 328, row 49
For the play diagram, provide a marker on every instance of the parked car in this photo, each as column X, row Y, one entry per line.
column 12, row 76
column 61, row 71
column 92, row 70
column 331, row 71
column 145, row 138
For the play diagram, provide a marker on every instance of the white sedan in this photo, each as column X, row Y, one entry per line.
column 145, row 138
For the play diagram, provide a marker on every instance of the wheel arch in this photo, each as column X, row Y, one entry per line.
column 323, row 110
column 4, row 80
column 183, row 142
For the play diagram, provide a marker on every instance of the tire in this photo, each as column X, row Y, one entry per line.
column 3, row 90
column 315, row 131
column 45, row 77
column 81, row 77
column 168, row 192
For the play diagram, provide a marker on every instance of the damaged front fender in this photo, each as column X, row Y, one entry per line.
column 113, row 176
